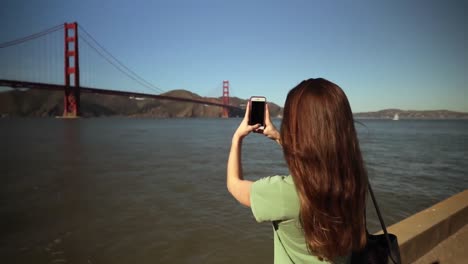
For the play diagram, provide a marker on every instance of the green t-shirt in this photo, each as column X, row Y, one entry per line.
column 275, row 199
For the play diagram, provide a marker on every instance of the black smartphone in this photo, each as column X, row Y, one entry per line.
column 257, row 111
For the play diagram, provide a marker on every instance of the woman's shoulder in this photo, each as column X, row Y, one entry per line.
column 278, row 186
column 276, row 179
column 274, row 198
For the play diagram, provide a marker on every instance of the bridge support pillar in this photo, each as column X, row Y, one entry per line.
column 71, row 103
column 225, row 113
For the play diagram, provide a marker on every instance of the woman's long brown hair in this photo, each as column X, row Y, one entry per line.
column 322, row 152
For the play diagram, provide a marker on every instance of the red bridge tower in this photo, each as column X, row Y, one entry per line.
column 71, row 103
column 225, row 99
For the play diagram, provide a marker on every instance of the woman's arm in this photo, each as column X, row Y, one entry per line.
column 237, row 186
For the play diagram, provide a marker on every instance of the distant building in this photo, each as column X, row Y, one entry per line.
column 137, row 98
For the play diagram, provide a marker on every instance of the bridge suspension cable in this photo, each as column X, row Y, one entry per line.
column 117, row 63
column 31, row 37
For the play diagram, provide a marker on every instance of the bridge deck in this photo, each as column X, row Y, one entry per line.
column 58, row 87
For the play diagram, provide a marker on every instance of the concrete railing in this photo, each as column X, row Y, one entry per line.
column 419, row 233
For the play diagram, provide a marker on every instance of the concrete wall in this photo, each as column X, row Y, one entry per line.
column 419, row 233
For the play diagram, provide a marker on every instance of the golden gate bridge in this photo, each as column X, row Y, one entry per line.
column 16, row 77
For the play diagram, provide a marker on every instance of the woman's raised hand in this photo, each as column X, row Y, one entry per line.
column 270, row 130
column 244, row 128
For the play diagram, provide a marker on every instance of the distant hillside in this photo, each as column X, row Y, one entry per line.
column 38, row 103
column 412, row 114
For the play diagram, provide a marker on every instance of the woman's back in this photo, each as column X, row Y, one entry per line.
column 275, row 199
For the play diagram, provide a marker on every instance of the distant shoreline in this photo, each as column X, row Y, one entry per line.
column 399, row 114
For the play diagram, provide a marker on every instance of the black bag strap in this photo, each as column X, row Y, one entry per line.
column 374, row 201
column 276, row 227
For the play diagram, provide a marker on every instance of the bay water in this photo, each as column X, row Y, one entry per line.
column 128, row 190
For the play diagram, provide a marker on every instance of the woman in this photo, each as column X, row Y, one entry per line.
column 318, row 211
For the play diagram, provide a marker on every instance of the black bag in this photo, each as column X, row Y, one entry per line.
column 380, row 249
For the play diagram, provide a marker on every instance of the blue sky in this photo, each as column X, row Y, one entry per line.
column 392, row 54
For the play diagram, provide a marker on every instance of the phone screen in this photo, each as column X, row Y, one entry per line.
column 257, row 113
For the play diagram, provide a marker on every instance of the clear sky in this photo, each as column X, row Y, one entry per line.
column 384, row 54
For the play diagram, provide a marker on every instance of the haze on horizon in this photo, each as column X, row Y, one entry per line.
column 410, row 55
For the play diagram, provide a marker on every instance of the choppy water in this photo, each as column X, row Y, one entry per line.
column 116, row 190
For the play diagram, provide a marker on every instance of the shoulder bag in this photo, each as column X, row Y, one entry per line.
column 380, row 249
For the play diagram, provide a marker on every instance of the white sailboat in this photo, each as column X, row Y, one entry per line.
column 396, row 117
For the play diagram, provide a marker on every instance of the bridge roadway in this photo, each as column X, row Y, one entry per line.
column 58, row 87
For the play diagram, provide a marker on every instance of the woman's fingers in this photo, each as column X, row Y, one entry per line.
column 267, row 115
column 247, row 110
column 255, row 127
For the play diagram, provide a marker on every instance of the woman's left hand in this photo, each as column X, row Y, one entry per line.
column 244, row 128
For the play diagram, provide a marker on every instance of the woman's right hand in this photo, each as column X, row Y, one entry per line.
column 270, row 130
